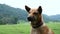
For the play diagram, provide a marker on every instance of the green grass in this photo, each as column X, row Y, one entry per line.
column 24, row 28
column 55, row 27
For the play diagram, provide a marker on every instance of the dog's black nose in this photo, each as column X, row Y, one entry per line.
column 29, row 18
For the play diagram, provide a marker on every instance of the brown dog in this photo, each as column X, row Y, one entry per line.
column 38, row 26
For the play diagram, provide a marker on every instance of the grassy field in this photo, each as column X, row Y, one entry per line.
column 24, row 28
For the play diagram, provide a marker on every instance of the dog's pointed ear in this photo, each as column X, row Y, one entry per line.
column 40, row 9
column 27, row 8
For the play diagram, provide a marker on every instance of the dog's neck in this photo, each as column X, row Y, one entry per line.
column 37, row 25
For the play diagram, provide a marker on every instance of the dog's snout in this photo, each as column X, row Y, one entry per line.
column 29, row 18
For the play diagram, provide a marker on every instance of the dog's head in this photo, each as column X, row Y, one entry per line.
column 34, row 14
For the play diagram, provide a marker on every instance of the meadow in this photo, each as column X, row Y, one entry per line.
column 24, row 28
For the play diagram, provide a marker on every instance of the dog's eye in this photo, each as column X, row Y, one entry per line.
column 35, row 13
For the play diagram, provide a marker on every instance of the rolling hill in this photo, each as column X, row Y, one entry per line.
column 10, row 14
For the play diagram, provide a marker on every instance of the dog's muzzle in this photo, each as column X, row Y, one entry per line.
column 30, row 19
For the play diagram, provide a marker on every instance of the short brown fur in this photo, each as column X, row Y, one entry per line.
column 42, row 28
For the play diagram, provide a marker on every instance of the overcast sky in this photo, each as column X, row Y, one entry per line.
column 50, row 7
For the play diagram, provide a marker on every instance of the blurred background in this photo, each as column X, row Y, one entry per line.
column 13, row 14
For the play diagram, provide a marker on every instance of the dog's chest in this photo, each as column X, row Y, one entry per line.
column 35, row 32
